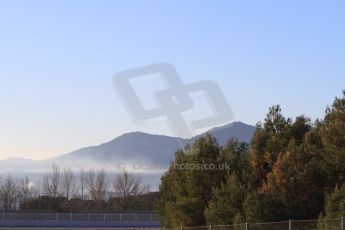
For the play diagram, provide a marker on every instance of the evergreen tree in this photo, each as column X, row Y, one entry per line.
column 333, row 138
column 187, row 186
column 226, row 204
column 286, row 173
column 334, row 204
column 269, row 140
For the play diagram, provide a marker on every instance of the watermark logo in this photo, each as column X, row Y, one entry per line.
column 173, row 101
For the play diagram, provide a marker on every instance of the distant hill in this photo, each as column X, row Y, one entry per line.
column 239, row 130
column 136, row 146
column 143, row 148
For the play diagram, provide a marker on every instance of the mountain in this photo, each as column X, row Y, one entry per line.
column 154, row 152
column 239, row 130
column 130, row 147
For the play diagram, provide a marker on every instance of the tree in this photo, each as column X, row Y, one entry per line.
column 69, row 185
column 334, row 204
column 82, row 183
column 236, row 157
column 97, row 184
column 25, row 190
column 52, row 185
column 259, row 208
column 225, row 206
column 333, row 138
column 126, row 185
column 297, row 183
column 334, row 208
column 269, row 140
column 186, row 188
column 9, row 193
column 146, row 189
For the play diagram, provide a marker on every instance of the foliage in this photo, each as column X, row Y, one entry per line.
column 287, row 172
column 226, row 204
column 334, row 204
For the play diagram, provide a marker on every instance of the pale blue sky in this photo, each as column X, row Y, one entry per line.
column 57, row 59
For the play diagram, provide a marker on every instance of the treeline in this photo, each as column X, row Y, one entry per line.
column 65, row 190
column 292, row 169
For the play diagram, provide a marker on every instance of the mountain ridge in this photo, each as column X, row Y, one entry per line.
column 133, row 146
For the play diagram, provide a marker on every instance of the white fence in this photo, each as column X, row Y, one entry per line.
column 328, row 224
column 79, row 216
column 79, row 219
column 148, row 221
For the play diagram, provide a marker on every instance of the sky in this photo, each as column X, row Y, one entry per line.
column 57, row 59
